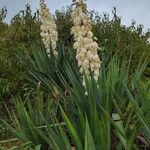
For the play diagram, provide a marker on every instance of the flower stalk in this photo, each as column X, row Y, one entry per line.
column 48, row 29
column 85, row 42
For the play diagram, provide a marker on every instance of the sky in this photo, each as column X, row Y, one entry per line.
column 128, row 10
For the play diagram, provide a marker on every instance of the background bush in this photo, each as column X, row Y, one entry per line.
column 24, row 31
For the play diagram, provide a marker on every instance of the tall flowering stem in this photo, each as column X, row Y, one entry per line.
column 48, row 29
column 85, row 42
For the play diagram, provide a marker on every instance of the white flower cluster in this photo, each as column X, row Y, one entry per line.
column 48, row 29
column 85, row 42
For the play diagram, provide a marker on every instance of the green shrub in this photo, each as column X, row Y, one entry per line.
column 24, row 31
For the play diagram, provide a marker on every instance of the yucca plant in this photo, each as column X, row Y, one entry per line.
column 104, row 118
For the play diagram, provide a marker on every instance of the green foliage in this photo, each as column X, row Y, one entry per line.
column 19, row 35
column 104, row 118
column 24, row 31
column 116, row 39
column 26, row 121
column 64, row 28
